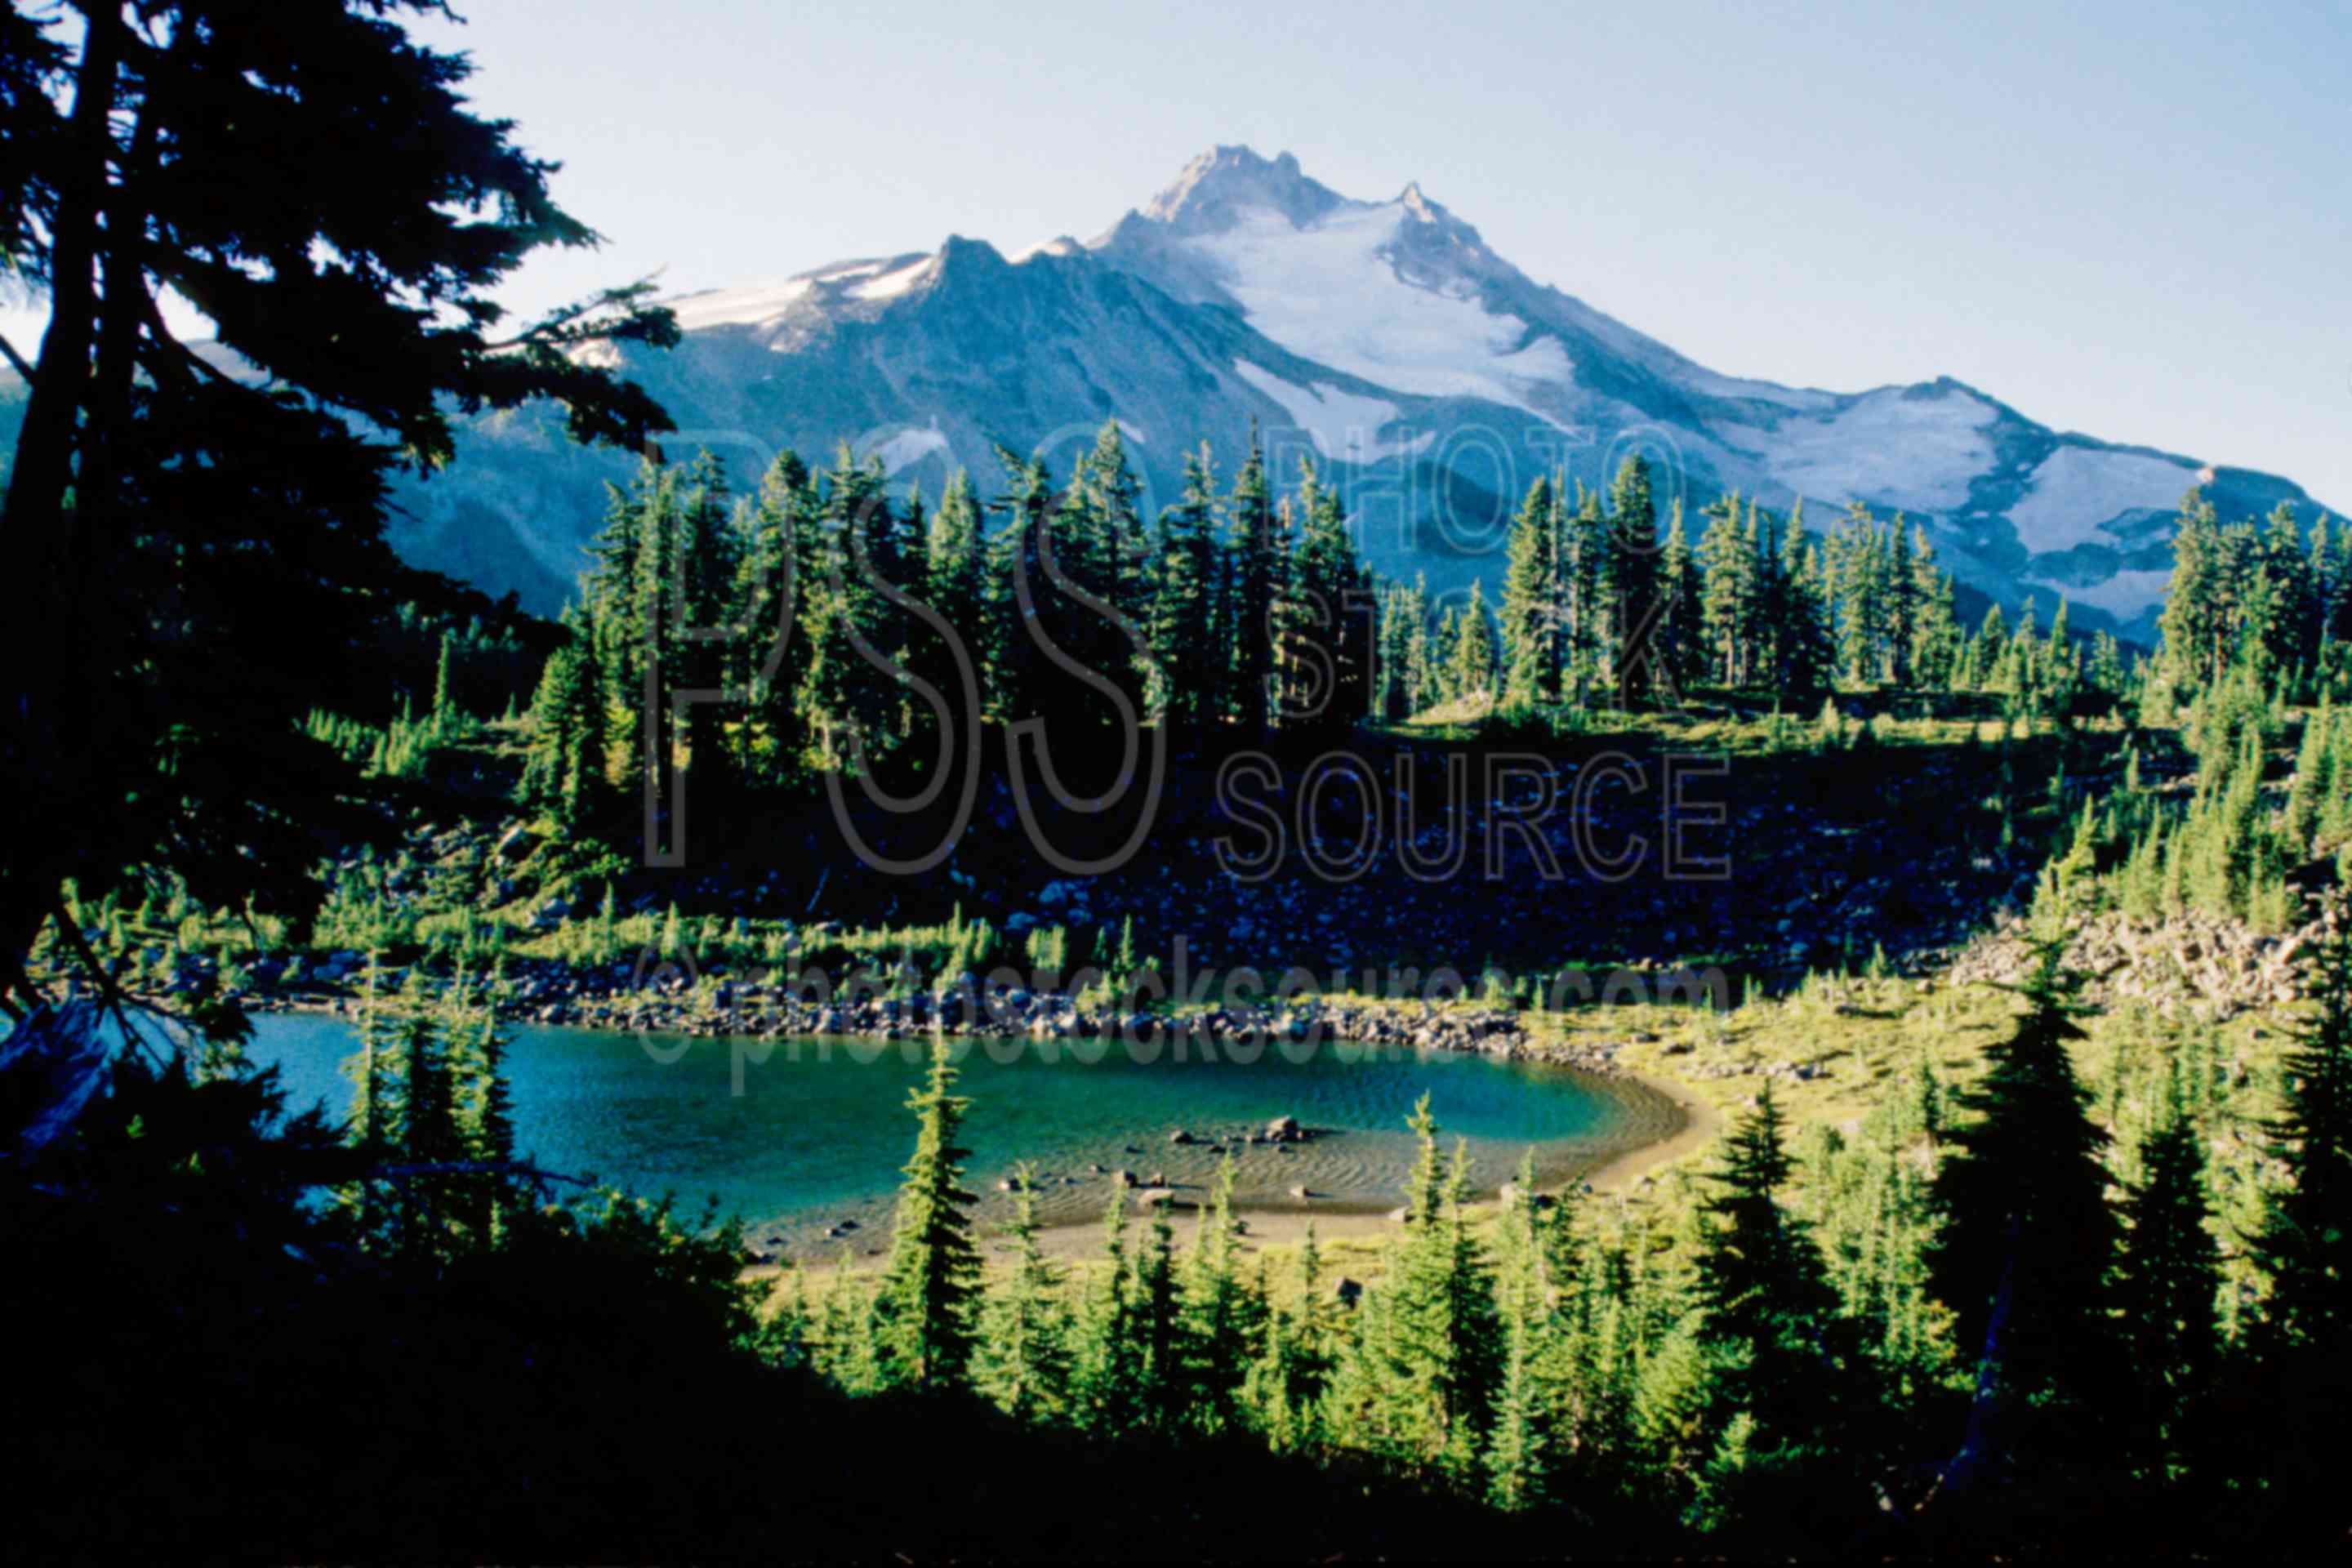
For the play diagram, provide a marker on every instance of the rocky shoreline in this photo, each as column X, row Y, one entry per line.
column 550, row 994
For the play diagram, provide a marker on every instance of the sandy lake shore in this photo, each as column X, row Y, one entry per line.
column 1674, row 1122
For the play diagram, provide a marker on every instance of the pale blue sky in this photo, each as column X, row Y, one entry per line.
column 2131, row 219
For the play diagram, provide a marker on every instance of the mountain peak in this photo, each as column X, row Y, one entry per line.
column 1227, row 180
column 1417, row 201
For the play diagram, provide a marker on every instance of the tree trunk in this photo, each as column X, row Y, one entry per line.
column 1968, row 1464
column 38, row 759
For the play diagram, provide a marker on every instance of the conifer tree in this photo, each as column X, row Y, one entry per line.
column 1587, row 554
column 1531, row 593
column 1446, row 647
column 1024, row 1360
column 2305, row 1239
column 1330, row 592
column 1637, row 621
column 1516, row 1454
column 485, row 1100
column 2027, row 1241
column 2195, row 624
column 193, row 543
column 1901, row 594
column 785, row 566
column 927, row 1296
column 1427, row 1378
column 954, row 575
column 1160, row 1378
column 1016, row 666
column 1185, row 644
column 1221, row 1319
column 430, row 1132
column 1474, row 648
column 613, row 600
column 2314, row 782
column 1936, row 636
column 1256, row 585
column 1798, row 613
column 564, row 768
column 1109, row 1371
column 1313, row 1346
column 1767, row 1302
column 374, row 1122
column 1423, row 653
column 1267, row 1389
column 1728, row 597
column 2168, row 1278
column 848, row 696
column 1404, row 652
column 446, row 716
column 1681, row 628
column 484, row 1109
column 1669, row 1408
column 1520, row 1457
column 1117, row 554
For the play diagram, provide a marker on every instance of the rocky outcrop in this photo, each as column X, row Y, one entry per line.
column 2193, row 965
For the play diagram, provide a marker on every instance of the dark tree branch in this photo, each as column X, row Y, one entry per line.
column 110, row 992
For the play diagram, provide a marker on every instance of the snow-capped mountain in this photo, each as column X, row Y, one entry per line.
column 1383, row 339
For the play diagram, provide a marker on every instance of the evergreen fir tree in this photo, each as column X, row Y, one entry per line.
column 1161, row 1383
column 1221, row 1320
column 2028, row 1239
column 1727, row 596
column 1331, row 590
column 1473, row 650
column 928, row 1290
column 2168, row 1278
column 564, row 768
column 2305, row 1239
column 1766, row 1299
column 1256, row 585
column 1530, row 592
column 1431, row 1365
column 1682, row 653
column 1110, row 1369
column 1185, row 643
column 1637, row 618
column 1024, row 1360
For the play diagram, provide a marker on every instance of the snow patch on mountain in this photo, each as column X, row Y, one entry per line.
column 890, row 285
column 2124, row 595
column 1060, row 245
column 907, row 447
column 1327, row 293
column 1342, row 425
column 2078, row 491
column 738, row 307
column 1919, row 449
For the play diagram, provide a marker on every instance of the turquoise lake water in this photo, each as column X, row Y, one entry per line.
column 795, row 1136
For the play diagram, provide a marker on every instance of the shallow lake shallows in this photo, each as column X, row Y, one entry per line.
column 819, row 1127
